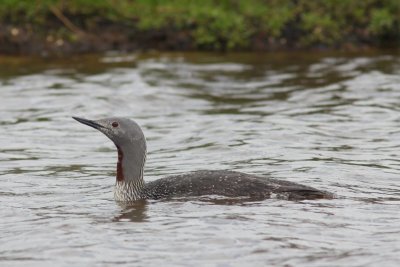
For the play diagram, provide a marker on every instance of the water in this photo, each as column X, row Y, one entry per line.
column 329, row 121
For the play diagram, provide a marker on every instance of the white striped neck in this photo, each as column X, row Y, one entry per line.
column 129, row 179
column 127, row 191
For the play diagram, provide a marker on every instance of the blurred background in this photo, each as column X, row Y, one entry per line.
column 298, row 90
column 60, row 26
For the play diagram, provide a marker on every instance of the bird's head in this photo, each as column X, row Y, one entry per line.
column 122, row 131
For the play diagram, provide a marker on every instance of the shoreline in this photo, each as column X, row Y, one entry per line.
column 62, row 28
column 28, row 41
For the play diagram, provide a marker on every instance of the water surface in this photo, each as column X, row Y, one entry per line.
column 326, row 120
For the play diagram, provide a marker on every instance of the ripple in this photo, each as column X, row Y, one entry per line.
column 327, row 121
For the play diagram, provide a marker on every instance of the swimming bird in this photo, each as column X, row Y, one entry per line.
column 130, row 141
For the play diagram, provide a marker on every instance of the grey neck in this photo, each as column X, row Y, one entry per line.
column 130, row 166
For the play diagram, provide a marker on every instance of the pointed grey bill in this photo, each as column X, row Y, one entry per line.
column 89, row 123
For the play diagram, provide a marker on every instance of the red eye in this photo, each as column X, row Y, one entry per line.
column 114, row 124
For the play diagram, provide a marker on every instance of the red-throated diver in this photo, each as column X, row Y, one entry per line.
column 130, row 186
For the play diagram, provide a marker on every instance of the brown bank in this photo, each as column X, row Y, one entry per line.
column 69, row 27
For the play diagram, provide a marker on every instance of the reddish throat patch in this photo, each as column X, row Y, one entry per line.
column 120, row 171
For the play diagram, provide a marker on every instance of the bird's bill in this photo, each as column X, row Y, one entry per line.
column 89, row 123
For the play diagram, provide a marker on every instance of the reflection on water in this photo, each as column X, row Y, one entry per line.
column 134, row 212
column 330, row 121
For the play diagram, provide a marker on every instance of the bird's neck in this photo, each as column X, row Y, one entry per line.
column 129, row 181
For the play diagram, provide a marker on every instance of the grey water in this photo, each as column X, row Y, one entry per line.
column 331, row 121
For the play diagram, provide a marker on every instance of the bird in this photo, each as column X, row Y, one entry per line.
column 130, row 186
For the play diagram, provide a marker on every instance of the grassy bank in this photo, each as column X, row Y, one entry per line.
column 98, row 25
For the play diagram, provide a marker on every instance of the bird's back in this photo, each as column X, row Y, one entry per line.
column 229, row 184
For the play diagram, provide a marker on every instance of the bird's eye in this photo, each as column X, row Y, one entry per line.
column 114, row 124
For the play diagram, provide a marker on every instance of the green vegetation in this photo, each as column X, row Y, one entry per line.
column 218, row 24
